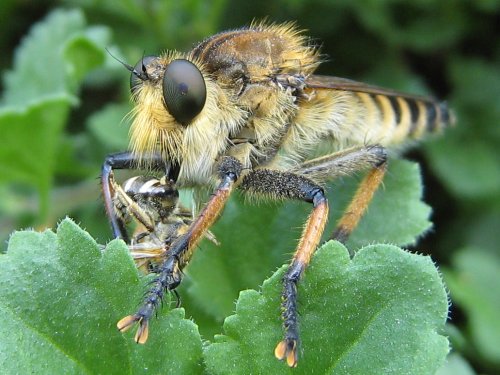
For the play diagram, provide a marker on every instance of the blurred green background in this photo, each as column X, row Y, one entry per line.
column 64, row 99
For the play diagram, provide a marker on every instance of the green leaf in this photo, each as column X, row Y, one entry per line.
column 474, row 173
column 109, row 126
column 61, row 298
column 473, row 282
column 379, row 313
column 455, row 365
column 84, row 52
column 257, row 238
column 30, row 138
column 466, row 175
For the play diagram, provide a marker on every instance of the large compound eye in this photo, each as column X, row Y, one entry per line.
column 139, row 74
column 184, row 90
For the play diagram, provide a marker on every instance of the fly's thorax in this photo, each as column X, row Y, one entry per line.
column 270, row 108
column 237, row 69
column 320, row 117
column 258, row 52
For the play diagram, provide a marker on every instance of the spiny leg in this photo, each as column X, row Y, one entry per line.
column 181, row 251
column 359, row 203
column 289, row 185
column 362, row 197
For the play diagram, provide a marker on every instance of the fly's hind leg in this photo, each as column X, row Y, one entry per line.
column 348, row 162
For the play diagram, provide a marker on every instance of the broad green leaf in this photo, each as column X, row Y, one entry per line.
column 473, row 283
column 464, row 175
column 84, row 52
column 61, row 298
column 258, row 237
column 467, row 158
column 379, row 313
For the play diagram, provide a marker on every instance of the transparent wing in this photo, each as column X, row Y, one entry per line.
column 337, row 83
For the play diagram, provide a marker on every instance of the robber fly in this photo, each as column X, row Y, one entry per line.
column 244, row 110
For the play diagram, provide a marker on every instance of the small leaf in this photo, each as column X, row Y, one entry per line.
column 455, row 365
column 470, row 281
column 83, row 54
column 61, row 299
column 379, row 313
column 474, row 173
column 54, row 56
column 109, row 126
column 30, row 138
column 471, row 174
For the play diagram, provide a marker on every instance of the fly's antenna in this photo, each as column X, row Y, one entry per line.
column 130, row 68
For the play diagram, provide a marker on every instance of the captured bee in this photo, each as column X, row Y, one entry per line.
column 244, row 110
column 153, row 204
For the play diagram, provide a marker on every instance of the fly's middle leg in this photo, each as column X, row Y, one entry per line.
column 297, row 185
column 291, row 186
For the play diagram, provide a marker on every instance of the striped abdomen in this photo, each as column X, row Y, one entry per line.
column 397, row 118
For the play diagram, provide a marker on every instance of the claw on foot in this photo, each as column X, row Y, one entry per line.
column 287, row 349
column 141, row 336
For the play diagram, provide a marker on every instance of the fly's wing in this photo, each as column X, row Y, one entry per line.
column 344, row 84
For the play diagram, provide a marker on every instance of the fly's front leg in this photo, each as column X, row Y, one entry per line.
column 181, row 250
column 122, row 160
column 278, row 184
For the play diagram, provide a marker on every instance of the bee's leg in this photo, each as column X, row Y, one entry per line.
column 122, row 160
column 121, row 199
column 348, row 162
column 181, row 250
column 289, row 185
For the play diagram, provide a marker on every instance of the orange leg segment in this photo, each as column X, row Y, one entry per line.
column 359, row 203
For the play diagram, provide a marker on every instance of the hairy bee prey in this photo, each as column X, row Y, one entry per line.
column 244, row 110
column 153, row 204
